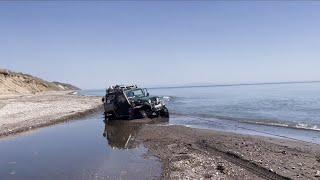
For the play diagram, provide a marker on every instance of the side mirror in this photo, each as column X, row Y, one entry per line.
column 147, row 94
column 103, row 99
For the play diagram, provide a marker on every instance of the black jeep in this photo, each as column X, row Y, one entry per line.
column 131, row 102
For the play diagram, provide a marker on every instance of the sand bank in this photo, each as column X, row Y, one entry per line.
column 20, row 113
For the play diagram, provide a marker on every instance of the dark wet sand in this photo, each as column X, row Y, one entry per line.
column 194, row 153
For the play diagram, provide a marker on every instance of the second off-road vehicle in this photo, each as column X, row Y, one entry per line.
column 131, row 102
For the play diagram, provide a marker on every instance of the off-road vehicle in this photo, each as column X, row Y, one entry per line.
column 131, row 102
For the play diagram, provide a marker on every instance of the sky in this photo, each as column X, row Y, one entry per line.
column 96, row 44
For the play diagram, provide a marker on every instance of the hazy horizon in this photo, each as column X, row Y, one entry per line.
column 96, row 44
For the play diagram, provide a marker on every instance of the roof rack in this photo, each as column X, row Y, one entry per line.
column 118, row 88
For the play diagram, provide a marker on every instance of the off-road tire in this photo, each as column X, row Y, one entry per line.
column 143, row 114
column 164, row 112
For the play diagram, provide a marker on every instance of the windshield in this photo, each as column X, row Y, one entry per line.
column 135, row 93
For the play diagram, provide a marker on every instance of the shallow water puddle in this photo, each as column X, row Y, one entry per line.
column 86, row 149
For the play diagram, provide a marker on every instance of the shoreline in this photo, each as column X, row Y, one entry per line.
column 209, row 154
column 51, row 122
column 183, row 151
column 43, row 109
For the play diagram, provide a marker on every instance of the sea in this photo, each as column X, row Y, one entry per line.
column 284, row 110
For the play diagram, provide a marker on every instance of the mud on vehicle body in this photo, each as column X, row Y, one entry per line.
column 131, row 102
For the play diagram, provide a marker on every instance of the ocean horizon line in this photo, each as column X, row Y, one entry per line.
column 235, row 84
column 219, row 85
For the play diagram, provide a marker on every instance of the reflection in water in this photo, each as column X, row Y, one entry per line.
column 78, row 152
column 121, row 134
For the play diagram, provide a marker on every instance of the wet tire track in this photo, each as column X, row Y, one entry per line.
column 244, row 163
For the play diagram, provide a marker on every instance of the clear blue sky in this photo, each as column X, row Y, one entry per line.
column 95, row 44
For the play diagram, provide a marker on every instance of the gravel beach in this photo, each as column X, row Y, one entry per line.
column 20, row 113
column 189, row 153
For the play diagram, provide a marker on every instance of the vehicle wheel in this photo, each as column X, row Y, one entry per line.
column 164, row 112
column 130, row 117
column 143, row 114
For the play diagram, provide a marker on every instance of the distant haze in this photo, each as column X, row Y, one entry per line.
column 96, row 44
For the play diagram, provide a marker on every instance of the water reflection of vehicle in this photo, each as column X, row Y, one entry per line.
column 121, row 134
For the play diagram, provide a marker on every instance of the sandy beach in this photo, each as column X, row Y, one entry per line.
column 189, row 153
column 20, row 113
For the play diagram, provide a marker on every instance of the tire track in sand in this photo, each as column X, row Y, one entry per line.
column 244, row 163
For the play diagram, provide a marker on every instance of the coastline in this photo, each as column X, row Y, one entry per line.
column 208, row 154
column 21, row 113
column 183, row 151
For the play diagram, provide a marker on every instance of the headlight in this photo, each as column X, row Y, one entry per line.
column 149, row 101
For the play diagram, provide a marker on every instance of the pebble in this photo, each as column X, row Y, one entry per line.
column 317, row 174
column 284, row 152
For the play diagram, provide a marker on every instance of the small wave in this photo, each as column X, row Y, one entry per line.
column 167, row 98
column 302, row 125
column 272, row 124
column 264, row 122
column 293, row 126
column 306, row 126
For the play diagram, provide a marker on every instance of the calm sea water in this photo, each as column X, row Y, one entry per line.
column 290, row 110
